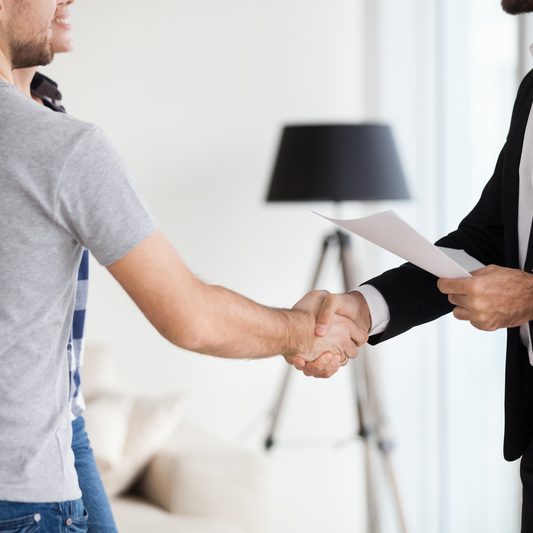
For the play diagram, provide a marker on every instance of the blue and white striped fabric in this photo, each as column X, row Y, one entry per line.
column 48, row 91
column 75, row 345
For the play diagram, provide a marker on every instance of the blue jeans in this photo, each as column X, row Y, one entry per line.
column 64, row 517
column 94, row 497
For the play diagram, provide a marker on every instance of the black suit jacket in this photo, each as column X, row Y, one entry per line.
column 490, row 234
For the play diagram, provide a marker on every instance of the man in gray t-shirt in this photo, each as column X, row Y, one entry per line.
column 62, row 188
column 58, row 195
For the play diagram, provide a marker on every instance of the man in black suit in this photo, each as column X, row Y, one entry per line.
column 498, row 233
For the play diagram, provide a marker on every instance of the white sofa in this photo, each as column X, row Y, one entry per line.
column 193, row 484
column 198, row 485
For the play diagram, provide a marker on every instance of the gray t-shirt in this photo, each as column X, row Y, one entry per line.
column 62, row 188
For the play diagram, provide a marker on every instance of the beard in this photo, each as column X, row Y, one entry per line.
column 29, row 44
column 515, row 7
column 34, row 54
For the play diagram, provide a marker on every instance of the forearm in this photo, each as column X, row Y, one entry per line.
column 227, row 324
column 205, row 318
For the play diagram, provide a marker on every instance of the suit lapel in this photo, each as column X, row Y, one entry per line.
column 511, row 177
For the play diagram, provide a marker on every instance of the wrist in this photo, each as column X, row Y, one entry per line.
column 299, row 331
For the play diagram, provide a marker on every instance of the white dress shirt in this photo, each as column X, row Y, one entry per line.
column 379, row 309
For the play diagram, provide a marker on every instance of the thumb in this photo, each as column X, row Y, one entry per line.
column 325, row 316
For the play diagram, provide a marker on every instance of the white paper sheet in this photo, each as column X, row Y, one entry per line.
column 462, row 258
column 392, row 233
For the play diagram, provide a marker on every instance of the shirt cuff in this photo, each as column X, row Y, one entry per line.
column 378, row 307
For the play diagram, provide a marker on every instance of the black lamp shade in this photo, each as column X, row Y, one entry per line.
column 337, row 163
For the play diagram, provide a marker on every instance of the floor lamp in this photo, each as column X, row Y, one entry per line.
column 337, row 163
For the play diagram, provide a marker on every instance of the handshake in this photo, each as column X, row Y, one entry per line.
column 341, row 326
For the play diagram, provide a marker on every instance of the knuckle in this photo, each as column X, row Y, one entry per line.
column 484, row 323
column 478, row 303
column 312, row 367
column 316, row 294
column 329, row 300
column 476, row 286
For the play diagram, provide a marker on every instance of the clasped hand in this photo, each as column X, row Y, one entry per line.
column 341, row 328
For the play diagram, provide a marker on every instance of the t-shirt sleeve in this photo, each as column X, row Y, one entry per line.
column 97, row 202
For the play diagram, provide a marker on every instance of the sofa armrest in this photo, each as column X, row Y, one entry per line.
column 220, row 482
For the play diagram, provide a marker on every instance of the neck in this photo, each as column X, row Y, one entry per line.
column 22, row 78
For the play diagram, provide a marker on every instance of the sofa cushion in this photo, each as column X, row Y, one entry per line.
column 149, row 424
column 197, row 475
column 107, row 419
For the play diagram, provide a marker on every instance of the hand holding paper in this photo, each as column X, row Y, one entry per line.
column 493, row 298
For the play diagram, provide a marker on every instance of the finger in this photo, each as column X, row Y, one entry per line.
column 350, row 351
column 452, row 286
column 318, row 366
column 297, row 362
column 331, row 368
column 357, row 333
column 345, row 343
column 345, row 360
column 461, row 313
column 357, row 337
column 458, row 300
column 325, row 316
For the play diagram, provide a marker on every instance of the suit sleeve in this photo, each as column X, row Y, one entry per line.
column 412, row 294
